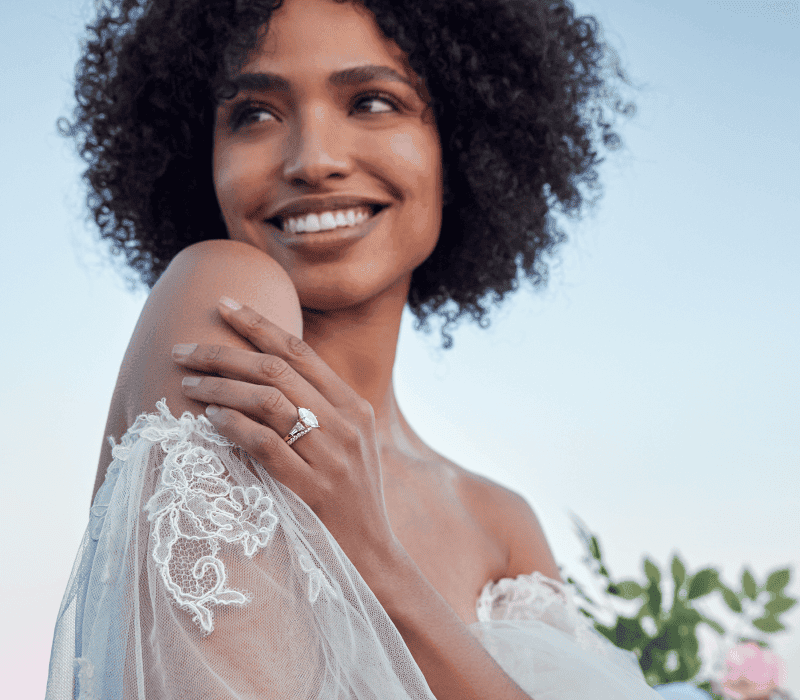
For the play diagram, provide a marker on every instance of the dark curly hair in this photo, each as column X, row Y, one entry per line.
column 523, row 92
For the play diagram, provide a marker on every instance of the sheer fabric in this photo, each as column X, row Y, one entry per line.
column 200, row 576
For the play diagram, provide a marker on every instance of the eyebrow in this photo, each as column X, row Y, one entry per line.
column 269, row 82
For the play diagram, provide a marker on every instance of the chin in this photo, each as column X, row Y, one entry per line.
column 336, row 295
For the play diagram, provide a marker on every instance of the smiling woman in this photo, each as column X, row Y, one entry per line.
column 287, row 178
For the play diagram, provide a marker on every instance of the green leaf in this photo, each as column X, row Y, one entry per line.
column 685, row 615
column 731, row 600
column 654, row 599
column 768, row 624
column 780, row 604
column 652, row 571
column 753, row 640
column 702, row 583
column 668, row 638
column 777, row 580
column 749, row 587
column 594, row 548
column 629, row 633
column 678, row 571
column 627, row 590
column 689, row 646
column 646, row 660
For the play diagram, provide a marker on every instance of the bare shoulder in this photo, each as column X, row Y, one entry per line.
column 510, row 519
column 181, row 308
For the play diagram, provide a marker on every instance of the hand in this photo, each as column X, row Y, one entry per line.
column 335, row 468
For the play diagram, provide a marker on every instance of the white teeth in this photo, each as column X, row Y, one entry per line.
column 326, row 221
column 312, row 222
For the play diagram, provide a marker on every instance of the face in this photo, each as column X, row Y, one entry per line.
column 329, row 121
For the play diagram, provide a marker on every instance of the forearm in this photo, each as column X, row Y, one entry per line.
column 454, row 663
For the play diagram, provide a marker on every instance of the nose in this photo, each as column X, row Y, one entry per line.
column 318, row 149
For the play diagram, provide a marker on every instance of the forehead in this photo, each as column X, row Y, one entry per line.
column 324, row 36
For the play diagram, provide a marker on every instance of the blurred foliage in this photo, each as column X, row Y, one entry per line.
column 669, row 651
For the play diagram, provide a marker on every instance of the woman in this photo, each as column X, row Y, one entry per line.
column 304, row 172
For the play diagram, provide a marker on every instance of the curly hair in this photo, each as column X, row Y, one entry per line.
column 523, row 94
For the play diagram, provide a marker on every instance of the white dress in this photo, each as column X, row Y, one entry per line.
column 201, row 576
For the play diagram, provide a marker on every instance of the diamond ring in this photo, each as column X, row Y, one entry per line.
column 307, row 422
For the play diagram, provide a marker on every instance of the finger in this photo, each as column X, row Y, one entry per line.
column 252, row 368
column 265, row 446
column 265, row 404
column 271, row 339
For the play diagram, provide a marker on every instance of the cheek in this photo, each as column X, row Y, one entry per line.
column 237, row 181
column 406, row 148
column 416, row 155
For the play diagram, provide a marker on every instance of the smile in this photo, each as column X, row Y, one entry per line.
column 325, row 221
column 329, row 229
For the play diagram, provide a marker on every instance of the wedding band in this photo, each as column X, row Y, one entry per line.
column 308, row 421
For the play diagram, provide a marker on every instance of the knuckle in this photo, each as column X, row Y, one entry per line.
column 269, row 400
column 254, row 324
column 212, row 354
column 273, row 367
column 266, row 443
column 298, row 348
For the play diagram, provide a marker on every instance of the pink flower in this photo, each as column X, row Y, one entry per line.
column 751, row 673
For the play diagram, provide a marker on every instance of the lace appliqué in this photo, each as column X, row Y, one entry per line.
column 316, row 579
column 527, row 597
column 538, row 597
column 194, row 510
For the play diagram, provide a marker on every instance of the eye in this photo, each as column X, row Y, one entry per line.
column 250, row 113
column 377, row 97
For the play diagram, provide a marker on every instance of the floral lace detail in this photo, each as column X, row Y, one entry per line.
column 537, row 597
column 527, row 597
column 316, row 579
column 194, row 510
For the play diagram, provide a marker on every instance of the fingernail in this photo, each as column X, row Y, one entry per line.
column 190, row 381
column 230, row 303
column 212, row 410
column 183, row 349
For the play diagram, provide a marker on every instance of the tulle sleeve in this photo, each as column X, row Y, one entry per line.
column 200, row 576
column 533, row 629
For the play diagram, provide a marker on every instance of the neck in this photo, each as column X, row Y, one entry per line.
column 360, row 344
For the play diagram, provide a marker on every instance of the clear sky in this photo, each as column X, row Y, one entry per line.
column 653, row 388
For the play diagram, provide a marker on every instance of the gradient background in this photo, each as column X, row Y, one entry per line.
column 653, row 388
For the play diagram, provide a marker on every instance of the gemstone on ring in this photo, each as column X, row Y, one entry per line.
column 307, row 418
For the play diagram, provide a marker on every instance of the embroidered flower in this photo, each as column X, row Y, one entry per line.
column 195, row 509
column 246, row 515
column 316, row 579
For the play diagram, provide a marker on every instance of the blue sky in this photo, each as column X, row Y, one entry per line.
column 653, row 388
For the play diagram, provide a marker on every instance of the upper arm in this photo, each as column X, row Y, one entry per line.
column 181, row 308
column 513, row 523
column 528, row 547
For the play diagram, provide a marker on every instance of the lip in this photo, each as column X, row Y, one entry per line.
column 335, row 238
column 318, row 205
